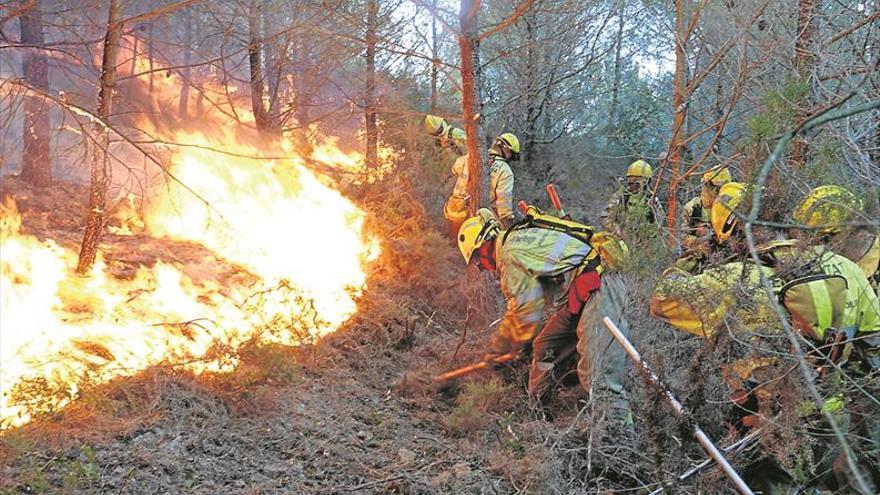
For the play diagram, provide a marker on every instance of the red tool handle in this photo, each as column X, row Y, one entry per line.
column 554, row 197
column 523, row 207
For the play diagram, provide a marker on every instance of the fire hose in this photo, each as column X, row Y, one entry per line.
column 679, row 410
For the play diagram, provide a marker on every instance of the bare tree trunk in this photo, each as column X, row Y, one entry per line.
column 255, row 60
column 100, row 169
column 36, row 165
column 182, row 109
column 471, row 103
column 804, row 62
column 372, row 131
column 532, row 108
column 615, row 84
column 679, row 102
column 151, row 34
column 435, row 60
column 875, row 83
column 273, row 74
column 302, row 99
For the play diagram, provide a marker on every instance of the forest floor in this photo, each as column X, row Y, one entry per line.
column 353, row 413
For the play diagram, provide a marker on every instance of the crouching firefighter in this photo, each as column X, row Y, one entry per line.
column 828, row 210
column 551, row 267
column 827, row 300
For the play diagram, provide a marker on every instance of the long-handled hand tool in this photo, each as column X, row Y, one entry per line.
column 504, row 358
column 554, row 198
column 701, row 436
column 482, row 365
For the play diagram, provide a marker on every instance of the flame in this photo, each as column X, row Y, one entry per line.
column 276, row 218
column 298, row 243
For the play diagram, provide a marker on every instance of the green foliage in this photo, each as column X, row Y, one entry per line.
column 268, row 363
column 476, row 404
column 778, row 109
column 826, row 154
column 79, row 471
column 75, row 472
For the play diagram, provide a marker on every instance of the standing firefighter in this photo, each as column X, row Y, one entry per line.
column 826, row 210
column 696, row 228
column 504, row 149
column 538, row 261
column 632, row 209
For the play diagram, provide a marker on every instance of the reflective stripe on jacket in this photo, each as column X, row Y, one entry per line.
column 531, row 261
column 699, row 303
column 862, row 309
column 460, row 170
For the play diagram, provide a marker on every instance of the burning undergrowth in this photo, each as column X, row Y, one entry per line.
column 280, row 258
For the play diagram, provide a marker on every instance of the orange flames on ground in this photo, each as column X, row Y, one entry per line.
column 301, row 239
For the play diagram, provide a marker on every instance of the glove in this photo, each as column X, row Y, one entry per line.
column 498, row 346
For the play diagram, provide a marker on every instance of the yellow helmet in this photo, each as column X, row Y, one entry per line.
column 640, row 168
column 510, row 140
column 475, row 231
column 436, row 126
column 722, row 214
column 826, row 208
column 712, row 182
column 717, row 176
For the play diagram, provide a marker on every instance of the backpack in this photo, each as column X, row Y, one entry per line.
column 613, row 252
column 816, row 300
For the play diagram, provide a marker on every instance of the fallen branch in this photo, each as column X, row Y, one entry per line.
column 733, row 448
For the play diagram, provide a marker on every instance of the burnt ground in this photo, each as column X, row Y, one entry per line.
column 355, row 412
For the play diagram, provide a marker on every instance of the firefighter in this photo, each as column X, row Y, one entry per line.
column 696, row 229
column 446, row 135
column 826, row 296
column 455, row 208
column 850, row 304
column 826, row 210
column 632, row 208
column 546, row 272
column 505, row 148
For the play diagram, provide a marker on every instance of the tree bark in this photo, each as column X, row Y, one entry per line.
column 150, row 53
column 372, row 131
column 532, row 108
column 36, row 164
column 471, row 103
column 273, row 75
column 804, row 63
column 100, row 167
column 255, row 61
column 612, row 133
column 679, row 103
column 186, row 71
column 435, row 60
